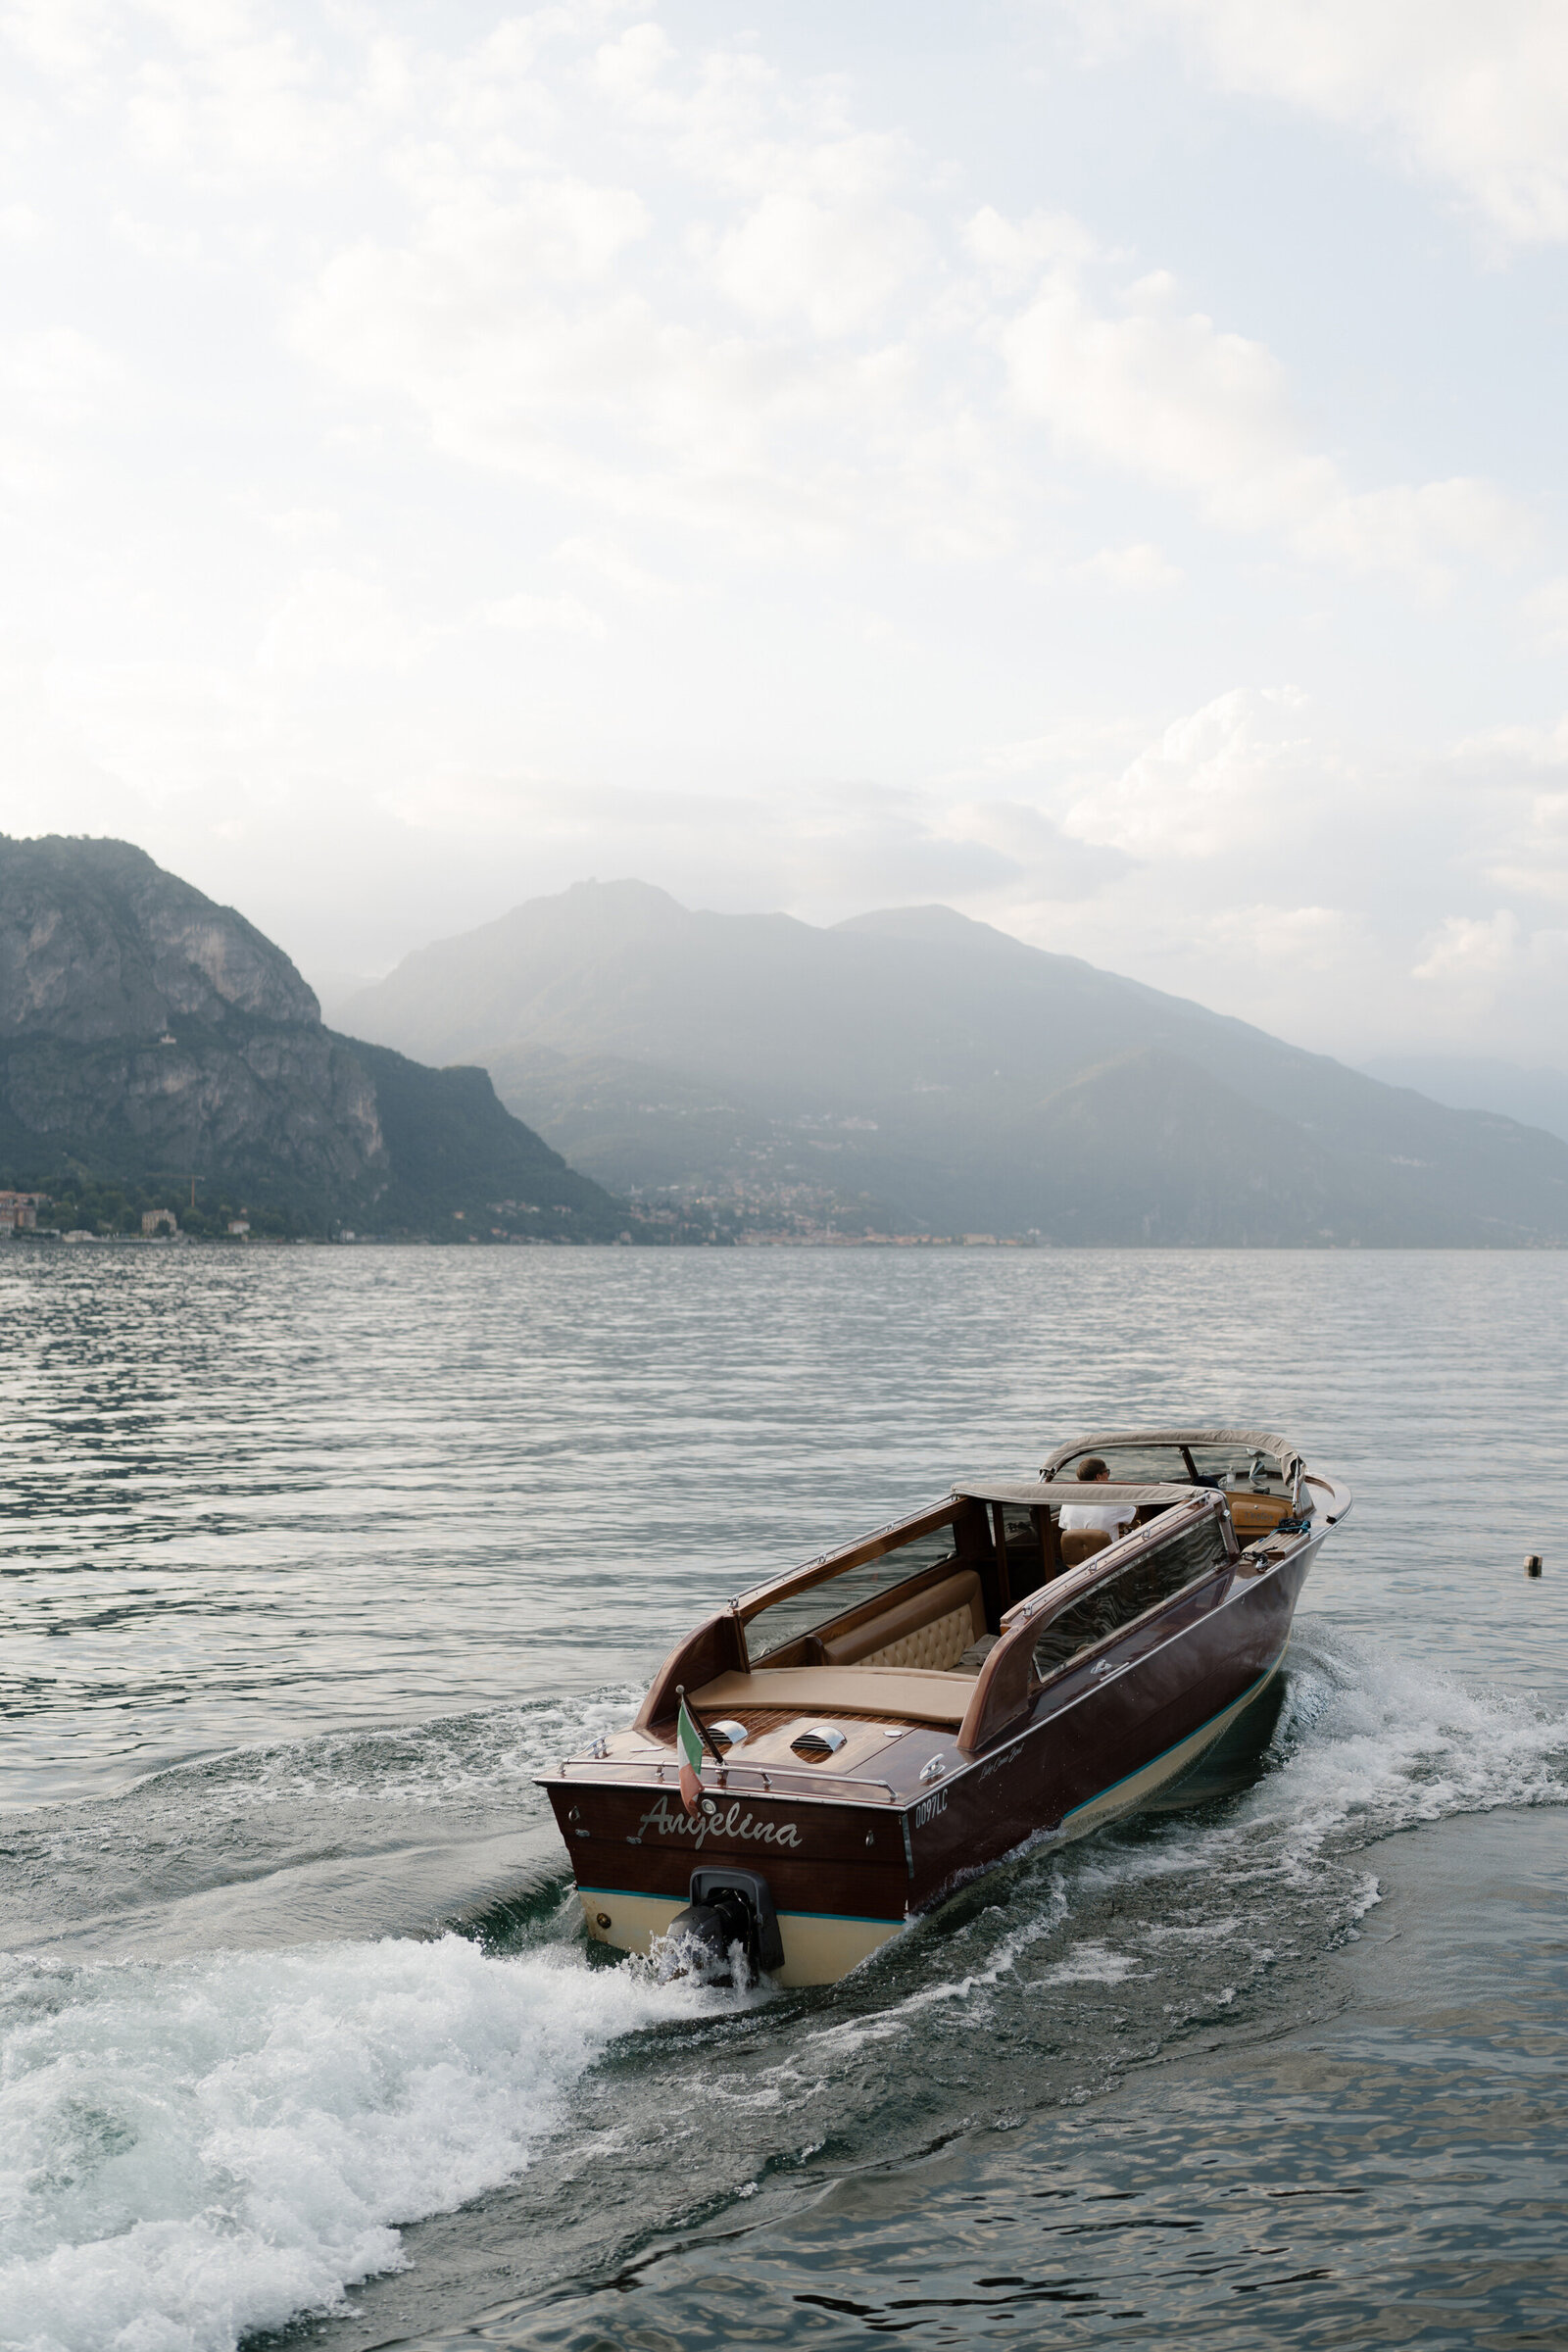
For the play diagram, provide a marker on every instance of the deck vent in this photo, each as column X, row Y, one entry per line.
column 728, row 1735
column 817, row 1742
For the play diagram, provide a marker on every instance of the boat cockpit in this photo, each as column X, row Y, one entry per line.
column 1261, row 1475
column 911, row 1625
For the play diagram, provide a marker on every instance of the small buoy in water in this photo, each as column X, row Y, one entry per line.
column 1532, row 1563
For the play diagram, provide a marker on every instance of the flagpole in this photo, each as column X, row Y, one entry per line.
column 689, row 1751
column 716, row 1752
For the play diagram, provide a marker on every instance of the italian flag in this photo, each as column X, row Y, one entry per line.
column 688, row 1748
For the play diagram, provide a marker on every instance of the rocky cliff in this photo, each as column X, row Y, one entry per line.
column 147, row 1034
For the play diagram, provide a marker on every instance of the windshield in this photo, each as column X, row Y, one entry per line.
column 1229, row 1466
column 781, row 1627
column 1143, row 1583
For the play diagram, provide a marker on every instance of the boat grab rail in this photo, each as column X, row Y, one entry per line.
column 760, row 1780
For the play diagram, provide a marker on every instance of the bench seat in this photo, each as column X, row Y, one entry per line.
column 929, row 1630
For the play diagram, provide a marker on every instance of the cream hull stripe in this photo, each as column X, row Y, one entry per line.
column 857, row 1918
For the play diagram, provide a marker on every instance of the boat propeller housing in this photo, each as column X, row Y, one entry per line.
column 729, row 1907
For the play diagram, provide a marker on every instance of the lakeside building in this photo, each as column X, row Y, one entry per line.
column 159, row 1220
column 19, row 1210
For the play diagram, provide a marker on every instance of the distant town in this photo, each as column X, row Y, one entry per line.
column 42, row 1214
column 71, row 1219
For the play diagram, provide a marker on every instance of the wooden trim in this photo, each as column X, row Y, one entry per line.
column 1003, row 1689
column 998, row 1516
column 714, row 1648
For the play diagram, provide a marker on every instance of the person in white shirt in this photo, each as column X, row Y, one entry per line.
column 1112, row 1517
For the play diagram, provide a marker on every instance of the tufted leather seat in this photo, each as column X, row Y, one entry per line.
column 931, row 1630
column 937, row 1646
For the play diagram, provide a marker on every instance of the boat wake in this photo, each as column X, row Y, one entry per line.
column 196, row 2150
column 192, row 2150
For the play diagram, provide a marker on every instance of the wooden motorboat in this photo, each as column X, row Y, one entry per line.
column 896, row 1715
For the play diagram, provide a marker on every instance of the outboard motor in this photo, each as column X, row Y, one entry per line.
column 729, row 1907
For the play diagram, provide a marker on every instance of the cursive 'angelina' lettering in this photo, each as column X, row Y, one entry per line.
column 730, row 1823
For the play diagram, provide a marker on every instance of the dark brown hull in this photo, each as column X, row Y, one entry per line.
column 847, row 1873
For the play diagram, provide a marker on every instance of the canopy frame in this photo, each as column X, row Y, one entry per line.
column 1258, row 1440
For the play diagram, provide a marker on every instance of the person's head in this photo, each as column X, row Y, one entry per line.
column 1092, row 1469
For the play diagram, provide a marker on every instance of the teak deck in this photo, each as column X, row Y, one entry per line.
column 1106, row 1669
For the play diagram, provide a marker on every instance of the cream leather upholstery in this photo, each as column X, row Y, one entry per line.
column 937, row 1646
column 1080, row 1544
column 824, row 1691
column 929, row 1632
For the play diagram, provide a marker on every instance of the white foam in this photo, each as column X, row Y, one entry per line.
column 1370, row 1745
column 1091, row 1963
column 1381, row 1744
column 855, row 2033
column 194, row 2150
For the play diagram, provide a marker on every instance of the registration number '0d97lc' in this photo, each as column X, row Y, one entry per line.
column 929, row 1807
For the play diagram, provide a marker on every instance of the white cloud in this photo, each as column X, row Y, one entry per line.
column 1221, row 781
column 1546, row 608
column 528, row 614
column 581, row 334
column 1495, row 972
column 1158, row 390
column 180, row 248
column 64, row 38
column 610, row 562
column 57, row 376
column 1516, row 781
column 21, row 224
column 334, row 619
column 580, row 444
column 796, row 257
column 1140, row 570
column 1013, row 253
column 1473, row 93
column 1469, row 949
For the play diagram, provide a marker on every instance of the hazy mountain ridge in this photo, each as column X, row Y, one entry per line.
column 1535, row 1097
column 148, row 1034
column 936, row 1066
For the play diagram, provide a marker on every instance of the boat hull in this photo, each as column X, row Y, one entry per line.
column 818, row 1948
column 846, row 1877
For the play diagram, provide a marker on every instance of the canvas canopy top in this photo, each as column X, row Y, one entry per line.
column 1250, row 1440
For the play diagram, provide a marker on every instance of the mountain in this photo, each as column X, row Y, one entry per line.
column 149, row 1037
column 1537, row 1098
column 916, row 1067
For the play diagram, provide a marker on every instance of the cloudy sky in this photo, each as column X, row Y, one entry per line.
column 1097, row 464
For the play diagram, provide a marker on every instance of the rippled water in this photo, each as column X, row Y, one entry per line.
column 313, row 1558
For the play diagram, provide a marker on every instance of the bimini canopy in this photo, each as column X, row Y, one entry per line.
column 1252, row 1440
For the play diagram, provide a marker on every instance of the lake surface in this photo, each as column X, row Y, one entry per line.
column 314, row 1557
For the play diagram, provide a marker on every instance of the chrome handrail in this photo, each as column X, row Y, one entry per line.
column 762, row 1780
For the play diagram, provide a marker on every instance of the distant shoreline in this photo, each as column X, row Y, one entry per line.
column 948, row 1244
